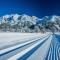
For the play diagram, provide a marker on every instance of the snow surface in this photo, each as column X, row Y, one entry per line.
column 26, row 50
column 7, row 39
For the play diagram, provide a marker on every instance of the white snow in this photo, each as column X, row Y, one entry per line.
column 26, row 50
column 12, row 38
column 22, row 44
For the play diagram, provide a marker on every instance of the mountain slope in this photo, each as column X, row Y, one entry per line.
column 26, row 23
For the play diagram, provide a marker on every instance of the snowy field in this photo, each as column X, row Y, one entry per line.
column 18, row 44
column 29, row 46
column 7, row 39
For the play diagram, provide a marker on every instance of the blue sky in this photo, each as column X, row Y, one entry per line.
column 38, row 8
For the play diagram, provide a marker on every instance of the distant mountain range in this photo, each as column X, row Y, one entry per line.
column 25, row 23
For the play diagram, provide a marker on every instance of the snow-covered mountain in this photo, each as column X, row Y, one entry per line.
column 26, row 23
column 15, row 18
